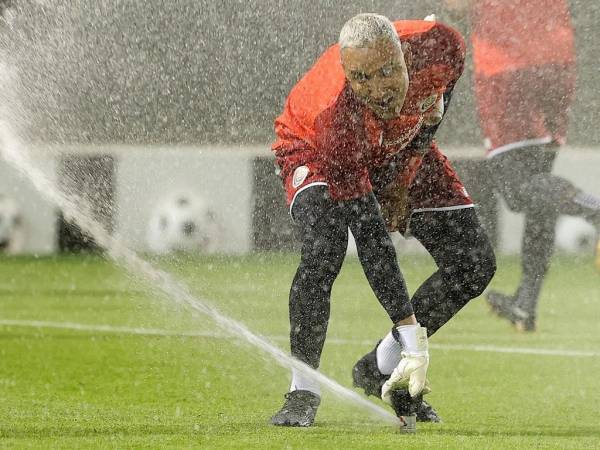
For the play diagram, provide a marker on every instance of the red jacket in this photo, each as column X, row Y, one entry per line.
column 326, row 127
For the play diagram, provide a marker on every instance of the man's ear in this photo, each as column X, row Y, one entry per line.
column 407, row 54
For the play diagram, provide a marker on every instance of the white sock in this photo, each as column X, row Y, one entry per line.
column 302, row 382
column 388, row 354
column 414, row 339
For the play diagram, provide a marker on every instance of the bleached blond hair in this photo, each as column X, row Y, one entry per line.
column 363, row 30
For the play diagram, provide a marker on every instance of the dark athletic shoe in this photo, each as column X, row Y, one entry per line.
column 501, row 304
column 366, row 375
column 504, row 306
column 426, row 413
column 299, row 410
column 524, row 323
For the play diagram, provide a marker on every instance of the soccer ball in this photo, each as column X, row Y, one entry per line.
column 576, row 236
column 11, row 226
column 184, row 222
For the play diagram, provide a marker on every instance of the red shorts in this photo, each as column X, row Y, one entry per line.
column 436, row 187
column 346, row 186
column 301, row 178
column 525, row 107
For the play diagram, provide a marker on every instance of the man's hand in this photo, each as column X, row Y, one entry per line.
column 394, row 206
column 411, row 373
column 394, row 198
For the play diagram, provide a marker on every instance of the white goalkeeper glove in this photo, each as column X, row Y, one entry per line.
column 411, row 372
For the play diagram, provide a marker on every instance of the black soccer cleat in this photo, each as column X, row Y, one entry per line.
column 366, row 375
column 501, row 304
column 299, row 409
column 525, row 325
column 504, row 306
column 426, row 413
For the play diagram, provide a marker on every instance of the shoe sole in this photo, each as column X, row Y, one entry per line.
column 291, row 425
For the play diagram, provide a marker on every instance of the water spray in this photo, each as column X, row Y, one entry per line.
column 158, row 280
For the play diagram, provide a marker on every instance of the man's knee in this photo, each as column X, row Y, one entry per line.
column 473, row 269
column 482, row 270
column 323, row 257
column 461, row 248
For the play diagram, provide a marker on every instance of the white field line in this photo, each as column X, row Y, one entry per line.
column 161, row 332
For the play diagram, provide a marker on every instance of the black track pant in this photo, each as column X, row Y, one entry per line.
column 524, row 178
column 455, row 240
column 465, row 260
column 323, row 227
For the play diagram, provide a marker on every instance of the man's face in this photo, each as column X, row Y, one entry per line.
column 378, row 76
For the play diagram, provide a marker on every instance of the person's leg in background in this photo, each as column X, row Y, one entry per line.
column 537, row 248
column 524, row 116
column 523, row 177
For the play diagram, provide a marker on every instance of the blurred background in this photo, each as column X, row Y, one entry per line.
column 161, row 114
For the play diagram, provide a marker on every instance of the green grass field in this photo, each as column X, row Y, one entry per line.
column 89, row 388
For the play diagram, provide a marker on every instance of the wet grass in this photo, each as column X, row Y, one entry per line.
column 65, row 388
